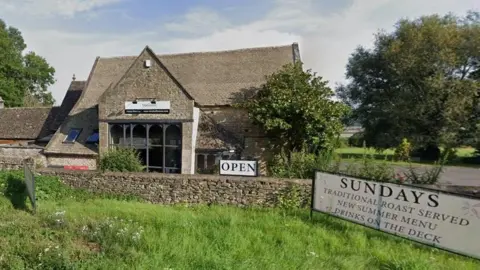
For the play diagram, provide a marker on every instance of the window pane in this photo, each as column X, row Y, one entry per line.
column 155, row 135
column 173, row 135
column 210, row 161
column 172, row 170
column 93, row 138
column 127, row 140
column 173, row 157
column 200, row 161
column 72, row 135
column 139, row 135
column 116, row 134
column 142, row 154
column 155, row 157
column 157, row 170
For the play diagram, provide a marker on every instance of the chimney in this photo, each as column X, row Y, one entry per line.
column 2, row 104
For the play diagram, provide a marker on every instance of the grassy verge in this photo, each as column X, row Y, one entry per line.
column 80, row 231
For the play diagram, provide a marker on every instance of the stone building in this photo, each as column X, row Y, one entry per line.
column 175, row 109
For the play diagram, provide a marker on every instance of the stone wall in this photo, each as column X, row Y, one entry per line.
column 13, row 163
column 171, row 188
column 72, row 160
column 21, row 152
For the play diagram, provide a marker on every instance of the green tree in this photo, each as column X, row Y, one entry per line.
column 22, row 75
column 416, row 82
column 296, row 110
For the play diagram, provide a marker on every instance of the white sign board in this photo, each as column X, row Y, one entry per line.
column 147, row 107
column 238, row 167
column 432, row 217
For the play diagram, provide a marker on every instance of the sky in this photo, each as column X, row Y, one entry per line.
column 71, row 33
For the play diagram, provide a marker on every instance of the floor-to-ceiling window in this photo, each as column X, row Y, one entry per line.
column 159, row 145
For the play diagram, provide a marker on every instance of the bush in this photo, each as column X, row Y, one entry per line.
column 428, row 153
column 403, row 150
column 300, row 164
column 449, row 154
column 121, row 160
column 341, row 143
column 367, row 167
column 356, row 140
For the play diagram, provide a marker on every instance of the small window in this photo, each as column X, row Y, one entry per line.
column 72, row 135
column 93, row 138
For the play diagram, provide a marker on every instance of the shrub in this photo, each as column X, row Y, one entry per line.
column 341, row 143
column 121, row 160
column 290, row 198
column 356, row 140
column 403, row 150
column 300, row 164
column 449, row 154
column 428, row 153
column 367, row 167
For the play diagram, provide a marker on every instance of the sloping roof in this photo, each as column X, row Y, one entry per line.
column 211, row 78
column 71, row 97
column 212, row 136
column 26, row 123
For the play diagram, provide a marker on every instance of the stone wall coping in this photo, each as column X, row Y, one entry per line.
column 92, row 173
column 22, row 146
column 11, row 159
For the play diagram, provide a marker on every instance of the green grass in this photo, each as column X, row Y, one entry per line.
column 461, row 152
column 352, row 153
column 84, row 232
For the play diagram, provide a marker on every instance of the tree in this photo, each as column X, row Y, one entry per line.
column 416, row 82
column 295, row 109
column 22, row 76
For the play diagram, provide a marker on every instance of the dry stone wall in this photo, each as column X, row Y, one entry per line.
column 195, row 189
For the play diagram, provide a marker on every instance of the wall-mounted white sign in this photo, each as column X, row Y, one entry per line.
column 239, row 167
column 432, row 217
column 147, row 106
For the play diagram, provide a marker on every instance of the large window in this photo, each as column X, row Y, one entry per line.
column 159, row 145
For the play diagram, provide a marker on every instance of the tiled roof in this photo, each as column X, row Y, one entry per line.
column 26, row 123
column 211, row 78
column 211, row 136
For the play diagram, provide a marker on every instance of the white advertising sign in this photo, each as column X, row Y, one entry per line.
column 238, row 167
column 432, row 217
column 147, row 107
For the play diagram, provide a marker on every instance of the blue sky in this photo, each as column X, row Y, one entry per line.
column 71, row 34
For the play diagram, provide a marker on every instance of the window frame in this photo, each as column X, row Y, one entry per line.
column 127, row 140
column 76, row 137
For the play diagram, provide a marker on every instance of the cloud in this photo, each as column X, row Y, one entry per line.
column 198, row 21
column 326, row 41
column 66, row 8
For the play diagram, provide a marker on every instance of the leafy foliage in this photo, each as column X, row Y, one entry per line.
column 403, row 150
column 431, row 61
column 301, row 164
column 295, row 110
column 290, row 199
column 24, row 77
column 121, row 160
column 356, row 140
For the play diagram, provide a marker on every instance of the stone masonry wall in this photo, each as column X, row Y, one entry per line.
column 195, row 189
column 15, row 153
column 13, row 163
